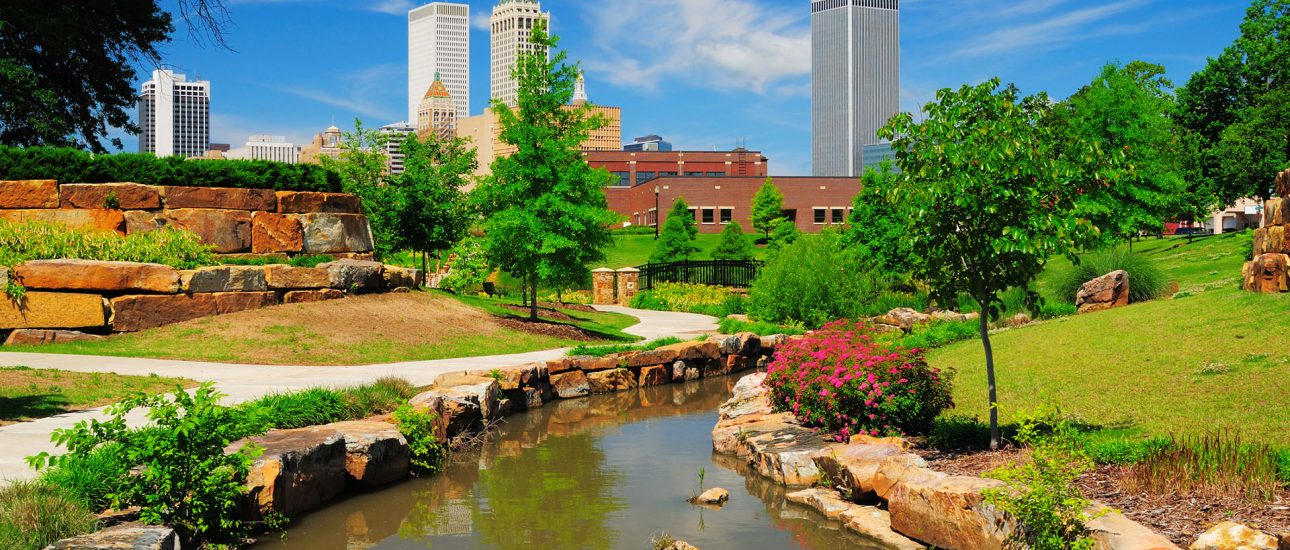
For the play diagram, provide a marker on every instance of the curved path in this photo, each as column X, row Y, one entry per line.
column 247, row 382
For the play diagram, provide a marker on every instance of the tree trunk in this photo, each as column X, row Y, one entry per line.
column 989, row 376
column 533, row 305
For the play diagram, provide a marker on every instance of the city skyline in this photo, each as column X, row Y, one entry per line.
column 439, row 47
column 709, row 74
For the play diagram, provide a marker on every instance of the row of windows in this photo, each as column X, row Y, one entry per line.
column 821, row 5
column 835, row 215
column 706, row 215
column 624, row 179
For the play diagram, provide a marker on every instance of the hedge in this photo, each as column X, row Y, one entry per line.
column 69, row 165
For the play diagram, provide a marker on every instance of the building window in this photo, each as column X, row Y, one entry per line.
column 666, row 174
column 709, row 216
column 839, row 215
column 692, row 174
column 716, row 174
column 621, row 179
column 821, row 215
column 642, row 177
column 727, row 215
column 694, row 213
column 652, row 216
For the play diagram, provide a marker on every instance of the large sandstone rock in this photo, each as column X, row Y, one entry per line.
column 1110, row 530
column 949, row 512
column 400, row 277
column 660, row 356
column 310, row 296
column 1273, row 213
column 903, row 468
column 275, row 233
column 133, row 313
column 786, row 455
column 694, row 350
column 330, row 233
column 29, row 194
column 127, row 196
column 222, row 198
column 308, row 202
column 54, row 310
column 40, row 337
column 482, row 391
column 128, row 536
column 1270, row 240
column 655, row 376
column 97, row 276
column 354, row 274
column 750, row 397
column 375, row 452
column 227, row 231
column 609, row 381
column 285, row 277
column 745, row 343
column 875, row 523
column 854, row 466
column 1230, row 535
column 571, row 384
column 224, row 278
column 1105, row 292
column 1283, row 183
column 86, row 219
column 824, row 500
column 1268, row 273
column 298, row 470
column 591, row 364
column 903, row 317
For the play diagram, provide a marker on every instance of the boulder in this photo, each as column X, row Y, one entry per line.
column 29, row 194
column 310, row 296
column 285, row 277
column 1270, row 240
column 452, row 416
column 276, row 233
column 875, row 523
column 901, row 468
column 949, row 512
column 127, row 536
column 54, row 310
column 571, row 384
column 133, row 313
column 98, row 276
column 715, row 495
column 655, row 376
column 127, row 196
column 329, row 233
column 399, row 277
column 750, row 396
column 1230, row 535
column 1105, row 292
column 484, row 392
column 594, row 364
column 824, row 500
column 40, row 337
column 786, row 455
column 854, row 466
column 298, row 470
column 1268, row 273
column 222, row 198
column 903, row 317
column 694, row 350
column 744, row 343
column 227, row 231
column 87, row 219
column 954, row 316
column 308, row 202
column 609, row 381
column 224, row 278
column 1110, row 530
column 354, row 274
column 1273, row 214
column 375, row 452
column 660, row 356
column 1283, row 183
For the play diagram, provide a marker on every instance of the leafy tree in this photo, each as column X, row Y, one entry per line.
column 733, row 244
column 988, row 198
column 676, row 242
column 1256, row 147
column 545, row 213
column 811, row 282
column 876, row 227
column 433, row 211
column 783, row 232
column 361, row 165
column 767, row 206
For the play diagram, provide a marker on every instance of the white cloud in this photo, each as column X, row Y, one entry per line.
column 369, row 92
column 480, row 21
column 1053, row 32
column 392, row 7
column 717, row 44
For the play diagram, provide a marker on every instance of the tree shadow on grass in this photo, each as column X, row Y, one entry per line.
column 30, row 407
column 961, row 433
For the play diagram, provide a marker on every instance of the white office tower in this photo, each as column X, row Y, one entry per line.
column 439, row 41
column 855, row 80
column 174, row 115
column 276, row 148
column 511, row 25
column 394, row 135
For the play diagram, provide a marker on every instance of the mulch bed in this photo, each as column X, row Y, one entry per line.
column 542, row 312
column 1180, row 518
column 556, row 330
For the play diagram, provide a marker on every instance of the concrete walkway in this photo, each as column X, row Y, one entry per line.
column 247, row 382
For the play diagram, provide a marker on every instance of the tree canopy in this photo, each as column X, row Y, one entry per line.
column 676, row 241
column 433, row 213
column 876, row 228
column 733, row 244
column 767, row 206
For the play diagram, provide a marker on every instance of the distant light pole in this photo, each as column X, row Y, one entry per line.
column 656, row 212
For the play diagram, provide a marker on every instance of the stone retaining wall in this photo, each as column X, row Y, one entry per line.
column 233, row 220
column 1269, row 269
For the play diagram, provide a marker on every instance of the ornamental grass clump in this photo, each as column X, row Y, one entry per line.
column 839, row 380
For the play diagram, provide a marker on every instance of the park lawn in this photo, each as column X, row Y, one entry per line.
column 634, row 250
column 360, row 330
column 28, row 394
column 606, row 326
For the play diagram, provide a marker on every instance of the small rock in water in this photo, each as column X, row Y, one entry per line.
column 715, row 495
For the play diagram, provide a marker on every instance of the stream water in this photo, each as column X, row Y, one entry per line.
column 609, row 471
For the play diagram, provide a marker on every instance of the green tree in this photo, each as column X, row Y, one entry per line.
column 767, row 206
column 988, row 198
column 733, row 244
column 676, row 242
column 876, row 227
column 783, row 232
column 433, row 210
column 1255, row 148
column 545, row 212
column 361, row 165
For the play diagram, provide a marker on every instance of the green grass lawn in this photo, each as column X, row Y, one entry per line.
column 1211, row 358
column 607, row 326
column 28, row 394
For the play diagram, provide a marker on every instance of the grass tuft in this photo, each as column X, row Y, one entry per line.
column 1216, row 465
column 602, row 351
column 35, row 514
column 1146, row 281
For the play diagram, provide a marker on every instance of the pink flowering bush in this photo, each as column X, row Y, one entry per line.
column 839, row 380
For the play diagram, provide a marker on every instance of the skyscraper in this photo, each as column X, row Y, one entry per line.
column 855, row 80
column 511, row 24
column 437, row 113
column 439, row 42
column 174, row 115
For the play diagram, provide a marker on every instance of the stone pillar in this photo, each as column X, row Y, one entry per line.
column 602, row 286
column 628, row 280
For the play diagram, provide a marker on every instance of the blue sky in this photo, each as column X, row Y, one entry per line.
column 702, row 73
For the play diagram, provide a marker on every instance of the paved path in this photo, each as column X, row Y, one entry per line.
column 247, row 382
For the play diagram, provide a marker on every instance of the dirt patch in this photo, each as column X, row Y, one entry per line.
column 543, row 311
column 571, row 307
column 554, row 330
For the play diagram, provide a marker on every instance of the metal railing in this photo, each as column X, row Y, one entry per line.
column 729, row 273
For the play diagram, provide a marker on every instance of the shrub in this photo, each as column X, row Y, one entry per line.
column 91, row 478
column 35, row 514
column 469, row 266
column 602, row 351
column 887, row 300
column 634, row 230
column 1146, row 282
column 812, row 281
column 418, row 427
column 733, row 244
column 1052, row 310
column 296, row 409
column 839, row 380
column 690, row 297
column 20, row 242
column 731, row 325
column 936, row 334
column 380, row 397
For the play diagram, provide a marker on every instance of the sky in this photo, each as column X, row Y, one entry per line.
column 704, row 74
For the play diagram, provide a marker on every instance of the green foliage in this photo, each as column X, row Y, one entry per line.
column 676, row 242
column 811, row 282
column 20, row 242
column 1051, row 309
column 783, row 233
column 936, row 334
column 767, row 207
column 634, row 230
column 1218, row 465
column 73, row 165
column 733, row 245
column 732, row 325
column 545, row 213
column 876, row 227
column 1042, row 493
column 433, row 214
column 35, row 514
column 1252, row 150
column 470, row 266
column 298, row 261
column 317, row 406
column 428, row 454
column 689, row 297
column 602, row 351
column 1146, row 282
column 93, row 478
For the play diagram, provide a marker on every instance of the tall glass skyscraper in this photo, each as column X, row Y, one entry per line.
column 439, row 44
column 855, row 80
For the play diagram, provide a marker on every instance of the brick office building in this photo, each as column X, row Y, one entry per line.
column 813, row 203
column 632, row 168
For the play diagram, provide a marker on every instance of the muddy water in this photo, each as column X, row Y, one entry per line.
column 602, row 472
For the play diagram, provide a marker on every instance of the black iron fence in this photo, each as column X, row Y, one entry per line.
column 731, row 273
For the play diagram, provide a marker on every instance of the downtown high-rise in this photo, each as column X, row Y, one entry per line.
column 855, row 80
column 439, row 43
column 511, row 25
column 174, row 115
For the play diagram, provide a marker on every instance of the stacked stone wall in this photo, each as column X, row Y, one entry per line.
column 1269, row 269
